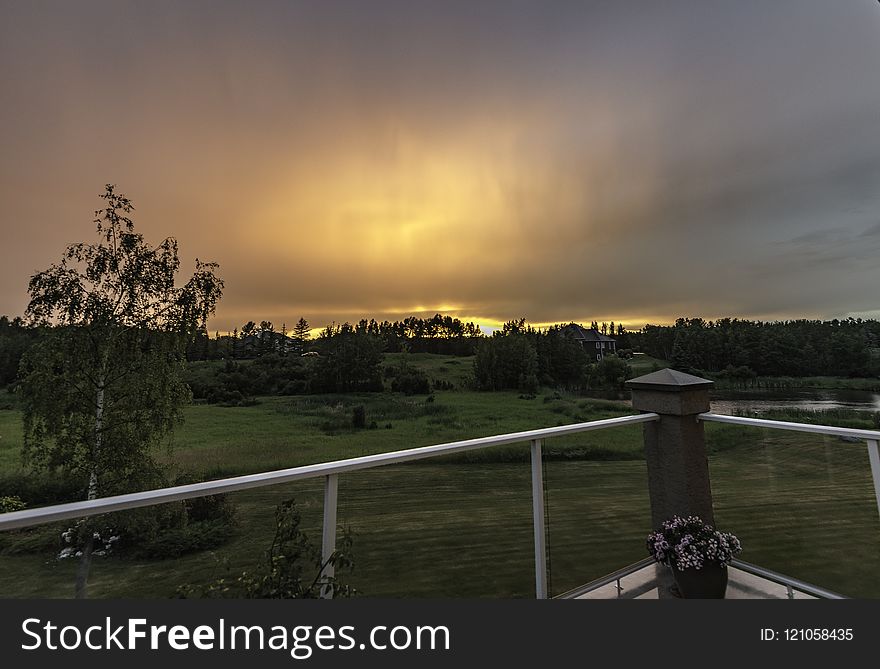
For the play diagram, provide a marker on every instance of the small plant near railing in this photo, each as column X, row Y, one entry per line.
column 293, row 567
column 690, row 543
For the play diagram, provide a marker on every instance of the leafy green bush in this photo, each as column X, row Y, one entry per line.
column 42, row 488
column 189, row 538
column 234, row 382
column 414, row 382
column 359, row 417
column 613, row 371
column 407, row 379
column 293, row 567
column 171, row 530
column 11, row 503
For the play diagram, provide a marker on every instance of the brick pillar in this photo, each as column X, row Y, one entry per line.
column 675, row 448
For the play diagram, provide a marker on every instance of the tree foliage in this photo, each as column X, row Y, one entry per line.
column 105, row 384
column 302, row 332
column 15, row 338
column 741, row 348
column 613, row 371
column 520, row 357
column 508, row 359
column 350, row 360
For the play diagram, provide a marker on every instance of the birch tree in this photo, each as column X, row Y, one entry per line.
column 105, row 385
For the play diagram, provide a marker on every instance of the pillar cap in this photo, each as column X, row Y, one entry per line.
column 669, row 380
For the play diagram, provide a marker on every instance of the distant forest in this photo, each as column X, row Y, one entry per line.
column 742, row 348
column 439, row 334
column 519, row 356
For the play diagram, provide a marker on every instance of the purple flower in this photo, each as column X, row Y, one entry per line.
column 690, row 543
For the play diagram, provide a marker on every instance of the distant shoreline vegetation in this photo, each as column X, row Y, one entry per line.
column 741, row 350
column 260, row 359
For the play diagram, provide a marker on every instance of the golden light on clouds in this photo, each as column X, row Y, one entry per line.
column 413, row 203
column 488, row 160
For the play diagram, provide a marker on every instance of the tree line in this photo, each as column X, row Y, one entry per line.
column 347, row 358
column 743, row 348
column 523, row 358
column 439, row 334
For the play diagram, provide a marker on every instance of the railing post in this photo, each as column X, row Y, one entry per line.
column 675, row 448
column 538, row 521
column 328, row 539
column 874, row 457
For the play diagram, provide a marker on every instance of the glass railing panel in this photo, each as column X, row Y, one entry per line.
column 597, row 505
column 168, row 550
column 460, row 526
column 802, row 504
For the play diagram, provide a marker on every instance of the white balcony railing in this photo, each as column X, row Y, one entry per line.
column 330, row 471
column 870, row 437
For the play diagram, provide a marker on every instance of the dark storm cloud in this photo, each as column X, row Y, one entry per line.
column 550, row 160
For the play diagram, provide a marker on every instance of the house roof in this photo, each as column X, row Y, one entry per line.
column 585, row 334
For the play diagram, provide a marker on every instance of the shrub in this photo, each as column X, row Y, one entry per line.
column 11, row 503
column 189, row 538
column 613, row 371
column 171, row 530
column 296, row 387
column 413, row 382
column 293, row 567
column 42, row 489
column 359, row 417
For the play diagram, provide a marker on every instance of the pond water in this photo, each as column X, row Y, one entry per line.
column 750, row 401
column 809, row 399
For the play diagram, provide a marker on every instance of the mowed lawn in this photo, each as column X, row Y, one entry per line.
column 462, row 528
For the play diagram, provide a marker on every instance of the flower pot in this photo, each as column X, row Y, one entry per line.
column 710, row 582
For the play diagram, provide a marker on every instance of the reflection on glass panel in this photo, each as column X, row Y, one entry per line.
column 802, row 504
column 169, row 550
column 461, row 527
column 597, row 507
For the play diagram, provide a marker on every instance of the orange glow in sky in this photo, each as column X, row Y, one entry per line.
column 492, row 161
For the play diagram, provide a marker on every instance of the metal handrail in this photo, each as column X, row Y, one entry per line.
column 83, row 509
column 768, row 574
column 782, row 579
column 331, row 470
column 614, row 576
column 872, row 435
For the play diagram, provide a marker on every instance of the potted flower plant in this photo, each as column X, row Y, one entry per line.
column 697, row 553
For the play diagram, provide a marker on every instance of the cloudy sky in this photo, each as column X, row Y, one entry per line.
column 556, row 161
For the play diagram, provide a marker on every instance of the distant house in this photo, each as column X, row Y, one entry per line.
column 594, row 342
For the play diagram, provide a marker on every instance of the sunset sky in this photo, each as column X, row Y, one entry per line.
column 556, row 161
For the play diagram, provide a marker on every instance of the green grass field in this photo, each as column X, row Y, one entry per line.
column 641, row 363
column 284, row 432
column 805, row 509
column 456, row 370
column 802, row 505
